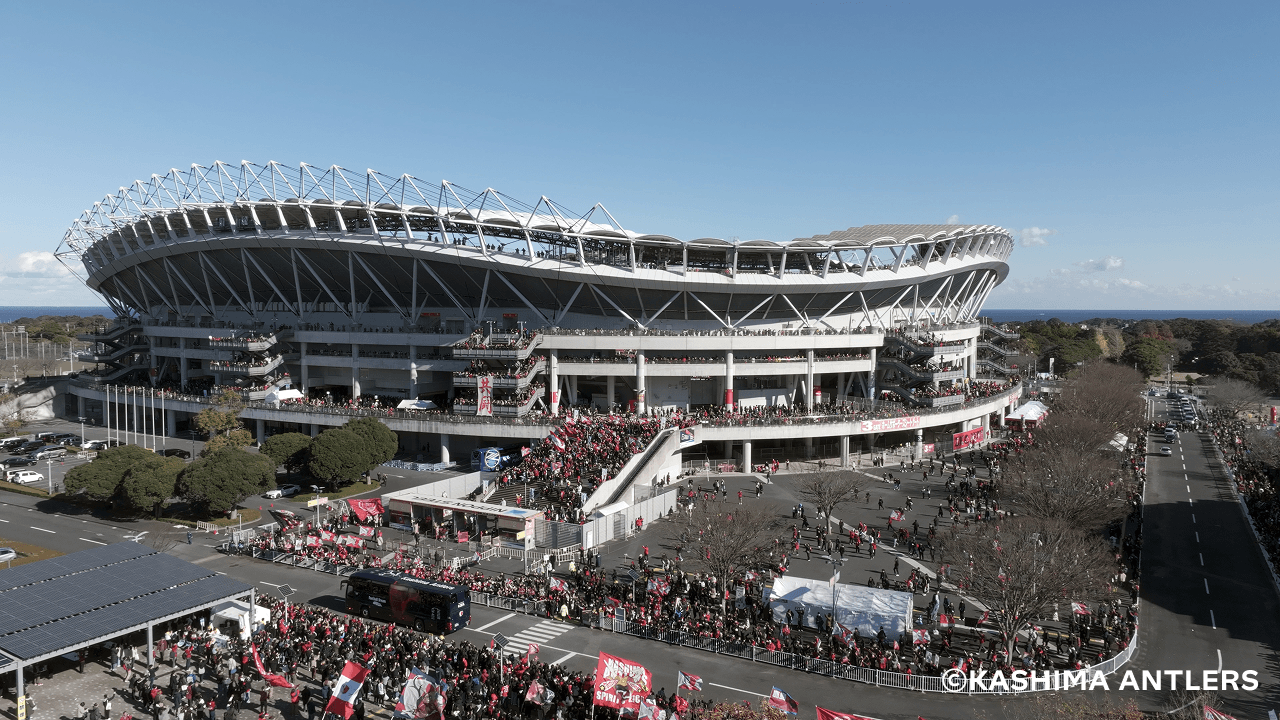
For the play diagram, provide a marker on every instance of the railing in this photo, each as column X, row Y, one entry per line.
column 501, row 353
column 925, row 375
column 1006, row 334
column 1001, row 351
column 1002, row 369
column 256, row 345
column 241, row 368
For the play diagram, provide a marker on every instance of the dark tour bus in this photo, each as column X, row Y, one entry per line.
column 424, row 605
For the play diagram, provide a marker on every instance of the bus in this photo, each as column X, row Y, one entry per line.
column 424, row 605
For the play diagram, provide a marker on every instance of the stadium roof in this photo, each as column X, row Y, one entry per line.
column 894, row 234
column 55, row 606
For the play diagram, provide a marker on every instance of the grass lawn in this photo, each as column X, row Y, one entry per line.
column 27, row 553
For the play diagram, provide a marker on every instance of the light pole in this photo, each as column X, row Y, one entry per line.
column 50, row 465
column 83, row 439
column 835, row 587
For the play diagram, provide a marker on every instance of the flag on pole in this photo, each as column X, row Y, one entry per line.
column 985, row 614
column 919, row 637
column 686, row 681
column 783, row 702
column 277, row 680
column 416, row 698
column 825, row 714
column 846, row 635
column 1211, row 714
column 348, row 686
column 1080, row 608
column 534, row 694
column 682, row 705
column 533, row 650
column 555, row 440
column 620, row 682
column 895, row 516
column 558, row 584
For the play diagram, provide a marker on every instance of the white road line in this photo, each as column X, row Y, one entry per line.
column 495, row 622
column 1206, row 586
column 1197, row 536
column 1188, row 489
column 4, row 521
column 566, row 657
column 1193, row 518
column 95, row 542
column 744, row 692
column 51, row 532
column 264, row 582
column 1201, row 559
column 1219, row 659
column 1184, row 466
column 220, row 573
column 1214, row 621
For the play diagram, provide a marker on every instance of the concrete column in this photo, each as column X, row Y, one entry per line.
column 641, row 400
column 444, row 448
column 315, row 429
column 573, row 389
column 182, row 361
column 871, row 376
column 844, row 451
column 608, row 384
column 553, row 383
column 19, row 687
column 808, row 375
column 80, row 406
column 413, row 372
column 728, row 379
column 746, row 456
column 355, row 371
column 151, row 645
column 306, row 372
column 171, row 423
column 919, row 453
column 261, row 431
column 841, row 391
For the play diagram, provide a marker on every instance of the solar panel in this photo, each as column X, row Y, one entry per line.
column 74, row 563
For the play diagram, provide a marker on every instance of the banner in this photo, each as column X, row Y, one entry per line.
column 825, row 714
column 367, row 507
column 782, row 701
column 619, row 682
column 891, row 424
column 688, row 436
column 366, row 531
column 347, row 688
column 328, row 536
column 276, row 680
column 416, row 698
column 976, row 436
column 313, row 541
column 351, row 541
column 484, row 395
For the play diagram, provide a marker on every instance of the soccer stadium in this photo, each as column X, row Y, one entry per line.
column 469, row 319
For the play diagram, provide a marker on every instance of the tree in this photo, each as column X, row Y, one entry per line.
column 1106, row 393
column 219, row 482
column 721, row 537
column 1233, row 396
column 338, row 455
column 826, row 489
column 288, row 449
column 1022, row 566
column 100, row 479
column 382, row 443
column 230, row 440
column 1055, row 706
column 223, row 417
column 149, row 483
column 1150, row 354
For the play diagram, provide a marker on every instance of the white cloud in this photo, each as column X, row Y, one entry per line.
column 37, row 278
column 34, row 264
column 953, row 220
column 1034, row 236
column 1110, row 262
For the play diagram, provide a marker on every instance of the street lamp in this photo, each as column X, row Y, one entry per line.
column 835, row 587
column 50, row 465
column 83, row 439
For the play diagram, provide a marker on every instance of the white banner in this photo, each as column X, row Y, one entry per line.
column 484, row 395
column 891, row 424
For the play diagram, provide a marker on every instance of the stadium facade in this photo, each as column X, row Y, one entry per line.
column 308, row 290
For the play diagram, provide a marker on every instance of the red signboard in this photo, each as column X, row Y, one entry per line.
column 976, row 436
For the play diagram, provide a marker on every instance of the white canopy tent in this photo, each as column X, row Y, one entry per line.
column 1030, row 411
column 416, row 405
column 237, row 611
column 279, row 396
column 867, row 609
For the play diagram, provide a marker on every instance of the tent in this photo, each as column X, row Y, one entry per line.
column 279, row 396
column 237, row 611
column 1119, row 443
column 1029, row 413
column 867, row 609
column 416, row 405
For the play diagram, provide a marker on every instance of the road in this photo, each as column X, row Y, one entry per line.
column 1207, row 600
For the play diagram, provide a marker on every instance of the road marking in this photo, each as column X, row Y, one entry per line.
column 1201, row 559
column 51, row 532
column 1193, row 518
column 1219, row 659
column 744, row 692
column 495, row 622
column 95, row 542
column 1184, row 466
column 1214, row 621
column 215, row 557
column 1188, row 489
column 1206, row 586
column 1197, row 536
column 264, row 582
column 84, row 521
column 566, row 657
column 4, row 521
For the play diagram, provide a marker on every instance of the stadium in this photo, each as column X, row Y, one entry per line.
column 470, row 319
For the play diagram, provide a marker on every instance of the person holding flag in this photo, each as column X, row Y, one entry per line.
column 347, row 690
column 782, row 701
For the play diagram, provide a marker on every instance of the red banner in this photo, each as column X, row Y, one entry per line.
column 327, row 536
column 976, row 436
column 825, row 714
column 365, row 508
column 620, row 682
column 313, row 541
column 277, row 680
column 366, row 531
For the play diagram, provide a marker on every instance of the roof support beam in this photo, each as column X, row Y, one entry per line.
column 447, row 290
column 283, row 298
column 520, row 295
column 323, row 285
column 383, row 288
column 606, row 298
column 253, row 312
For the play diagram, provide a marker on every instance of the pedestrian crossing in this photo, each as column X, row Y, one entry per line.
column 542, row 633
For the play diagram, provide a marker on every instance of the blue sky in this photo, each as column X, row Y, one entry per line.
column 1132, row 147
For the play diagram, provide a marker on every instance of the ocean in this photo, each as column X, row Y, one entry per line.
column 9, row 313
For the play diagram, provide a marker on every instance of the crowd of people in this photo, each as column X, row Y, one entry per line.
column 1256, row 475
column 516, row 371
column 242, row 365
column 514, row 340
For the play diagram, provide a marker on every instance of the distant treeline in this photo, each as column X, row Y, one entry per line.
column 59, row 328
column 1210, row 347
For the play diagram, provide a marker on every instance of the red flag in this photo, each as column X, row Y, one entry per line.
column 825, row 714
column 1211, row 714
column 620, row 682
column 277, row 680
column 534, row 694
column 366, row 531
column 682, row 705
column 783, row 702
column 689, row 682
column 1080, row 608
column 558, row 584
column 533, row 650
column 919, row 637
column 348, row 685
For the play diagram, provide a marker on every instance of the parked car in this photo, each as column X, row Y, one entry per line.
column 282, row 491
column 19, row 461
column 178, row 453
column 94, row 445
column 30, row 446
column 49, row 452
column 7, row 554
column 1166, row 451
column 25, row 477
column 67, row 439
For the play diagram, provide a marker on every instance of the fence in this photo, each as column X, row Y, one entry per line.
column 419, row 467
column 551, row 534
column 623, row 523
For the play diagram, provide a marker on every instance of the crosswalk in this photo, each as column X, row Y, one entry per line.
column 543, row 632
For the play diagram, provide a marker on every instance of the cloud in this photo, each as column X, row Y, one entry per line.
column 34, row 264
column 1110, row 262
column 37, row 278
column 1034, row 236
column 953, row 220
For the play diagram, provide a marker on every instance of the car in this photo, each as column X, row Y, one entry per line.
column 7, row 554
column 29, row 447
column 20, row 461
column 25, row 477
column 177, row 452
column 282, row 491
column 49, row 452
column 94, row 445
column 68, row 439
column 1166, row 451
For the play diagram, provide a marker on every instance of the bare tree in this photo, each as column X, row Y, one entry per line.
column 721, row 537
column 1264, row 445
column 1234, row 396
column 827, row 489
column 1104, row 392
column 1022, row 566
column 1185, row 704
column 1055, row 706
column 1070, row 474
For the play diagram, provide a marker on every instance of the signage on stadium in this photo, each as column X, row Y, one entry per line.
column 976, row 436
column 891, row 424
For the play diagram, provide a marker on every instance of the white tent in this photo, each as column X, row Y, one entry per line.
column 416, row 405
column 1030, row 411
column 237, row 611
column 279, row 396
column 867, row 609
